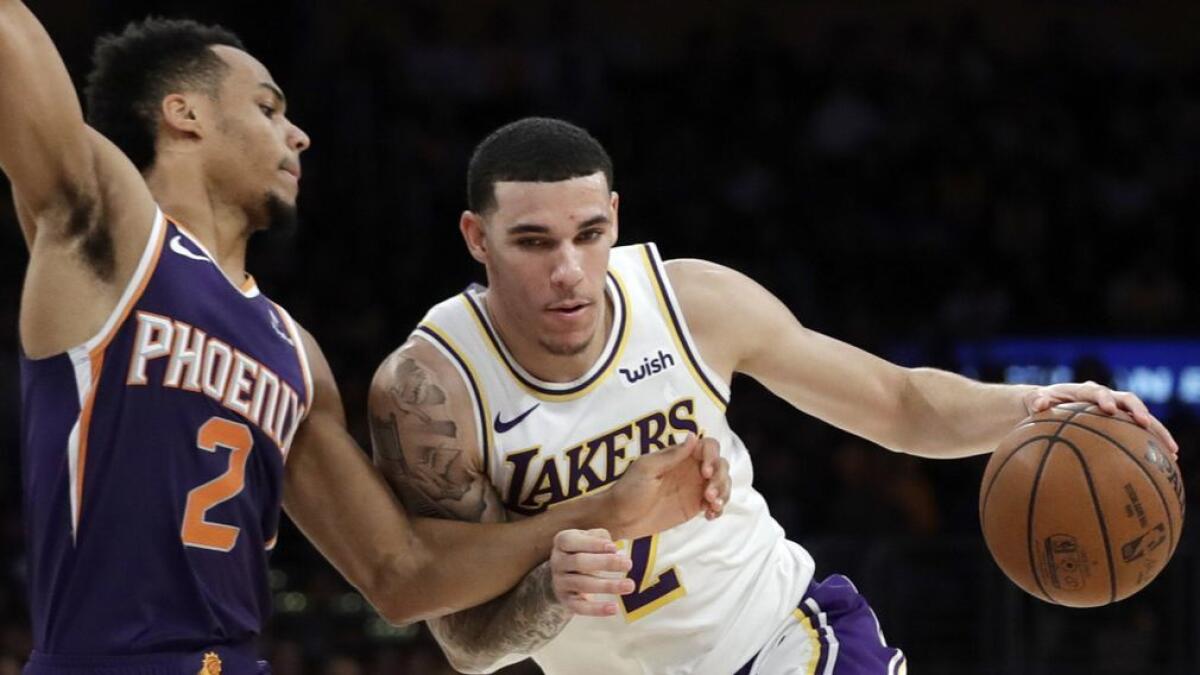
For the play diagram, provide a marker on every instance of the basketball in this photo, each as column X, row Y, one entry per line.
column 1079, row 507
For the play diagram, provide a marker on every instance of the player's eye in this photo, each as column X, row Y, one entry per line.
column 529, row 242
column 267, row 110
column 590, row 235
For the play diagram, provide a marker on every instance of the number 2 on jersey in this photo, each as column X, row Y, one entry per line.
column 197, row 531
column 649, row 596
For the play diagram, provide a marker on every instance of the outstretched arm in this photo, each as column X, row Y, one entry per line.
column 85, row 211
column 414, row 569
column 45, row 149
column 742, row 327
column 61, row 170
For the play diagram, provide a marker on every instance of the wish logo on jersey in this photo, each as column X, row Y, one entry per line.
column 649, row 366
column 538, row 482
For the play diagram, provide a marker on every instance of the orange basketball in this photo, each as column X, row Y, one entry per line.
column 1081, row 508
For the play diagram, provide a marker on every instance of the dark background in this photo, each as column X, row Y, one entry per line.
column 897, row 172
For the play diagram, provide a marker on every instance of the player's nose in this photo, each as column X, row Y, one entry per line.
column 568, row 268
column 297, row 138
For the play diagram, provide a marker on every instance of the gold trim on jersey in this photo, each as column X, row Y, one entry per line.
column 442, row 341
column 668, row 311
column 571, row 391
column 814, row 638
column 667, row 599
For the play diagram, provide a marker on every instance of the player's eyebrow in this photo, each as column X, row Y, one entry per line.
column 528, row 228
column 594, row 220
column 538, row 228
column 276, row 91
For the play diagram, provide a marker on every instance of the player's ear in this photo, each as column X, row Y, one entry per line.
column 616, row 201
column 471, row 226
column 181, row 115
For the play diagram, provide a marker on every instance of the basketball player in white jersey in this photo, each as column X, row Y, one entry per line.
column 579, row 357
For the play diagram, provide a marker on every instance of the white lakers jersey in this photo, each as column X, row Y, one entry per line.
column 708, row 592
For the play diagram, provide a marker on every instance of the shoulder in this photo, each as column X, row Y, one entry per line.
column 707, row 291
column 729, row 314
column 416, row 371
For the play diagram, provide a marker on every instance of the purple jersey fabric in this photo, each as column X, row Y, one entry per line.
column 152, row 463
column 847, row 632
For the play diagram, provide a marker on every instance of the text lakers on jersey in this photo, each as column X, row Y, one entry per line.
column 539, row 481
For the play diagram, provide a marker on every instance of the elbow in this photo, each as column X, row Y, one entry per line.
column 393, row 589
column 396, row 605
column 399, row 587
column 394, row 610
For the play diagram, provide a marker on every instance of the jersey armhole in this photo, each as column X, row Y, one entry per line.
column 133, row 291
column 705, row 376
column 442, row 342
column 301, row 355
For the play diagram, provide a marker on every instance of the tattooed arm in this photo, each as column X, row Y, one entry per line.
column 413, row 568
column 426, row 443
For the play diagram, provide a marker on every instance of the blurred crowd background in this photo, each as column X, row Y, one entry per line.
column 901, row 173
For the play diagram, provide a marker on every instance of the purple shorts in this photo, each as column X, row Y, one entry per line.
column 832, row 632
column 221, row 660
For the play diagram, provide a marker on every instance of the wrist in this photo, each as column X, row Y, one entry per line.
column 588, row 512
column 1025, row 394
column 545, row 582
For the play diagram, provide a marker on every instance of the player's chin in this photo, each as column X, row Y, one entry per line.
column 281, row 214
column 565, row 345
column 287, row 192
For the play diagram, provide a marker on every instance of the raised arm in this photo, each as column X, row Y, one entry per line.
column 45, row 149
column 741, row 327
column 85, row 211
column 414, row 569
column 54, row 161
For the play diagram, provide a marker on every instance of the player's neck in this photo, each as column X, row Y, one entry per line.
column 222, row 228
column 535, row 358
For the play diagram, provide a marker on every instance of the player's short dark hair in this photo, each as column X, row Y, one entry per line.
column 133, row 70
column 536, row 150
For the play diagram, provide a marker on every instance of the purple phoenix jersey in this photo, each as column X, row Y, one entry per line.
column 152, row 460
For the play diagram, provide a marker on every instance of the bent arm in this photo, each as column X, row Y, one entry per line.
column 425, row 441
column 409, row 569
column 921, row 411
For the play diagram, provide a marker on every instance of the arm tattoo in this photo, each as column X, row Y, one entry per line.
column 519, row 622
column 419, row 450
column 429, row 468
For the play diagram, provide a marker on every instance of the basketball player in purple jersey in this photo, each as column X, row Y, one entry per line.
column 591, row 353
column 169, row 407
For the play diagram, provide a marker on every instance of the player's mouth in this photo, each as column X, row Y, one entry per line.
column 570, row 312
column 569, row 309
column 291, row 168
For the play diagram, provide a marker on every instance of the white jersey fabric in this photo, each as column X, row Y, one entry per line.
column 709, row 593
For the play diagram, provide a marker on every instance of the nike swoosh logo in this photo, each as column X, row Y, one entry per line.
column 177, row 247
column 501, row 426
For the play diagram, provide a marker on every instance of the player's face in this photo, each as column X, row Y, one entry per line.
column 546, row 250
column 255, row 149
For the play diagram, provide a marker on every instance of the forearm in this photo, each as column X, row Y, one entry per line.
column 445, row 574
column 505, row 630
column 46, row 146
column 944, row 415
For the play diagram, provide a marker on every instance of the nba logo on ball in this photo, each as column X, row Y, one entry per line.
column 1066, row 564
column 1079, row 507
